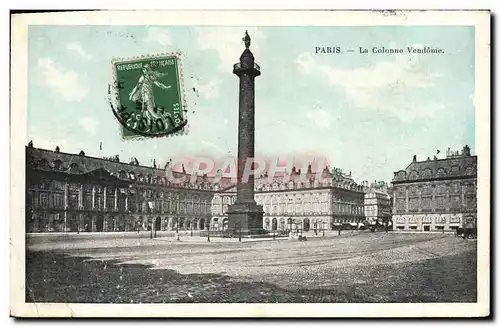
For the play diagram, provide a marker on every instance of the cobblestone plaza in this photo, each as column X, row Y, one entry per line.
column 352, row 267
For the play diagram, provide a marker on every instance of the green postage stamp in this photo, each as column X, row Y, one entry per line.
column 146, row 96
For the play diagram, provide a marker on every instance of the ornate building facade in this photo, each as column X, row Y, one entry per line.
column 378, row 206
column 301, row 203
column 438, row 194
column 77, row 193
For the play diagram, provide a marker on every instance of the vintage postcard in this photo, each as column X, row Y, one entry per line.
column 250, row 164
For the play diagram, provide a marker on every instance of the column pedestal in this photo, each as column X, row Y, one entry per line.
column 246, row 218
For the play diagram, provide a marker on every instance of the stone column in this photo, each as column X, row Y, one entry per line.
column 65, row 207
column 93, row 197
column 126, row 202
column 419, row 190
column 80, row 197
column 245, row 214
column 433, row 203
column 116, row 198
column 447, row 198
column 105, row 195
column 407, row 205
column 462, row 198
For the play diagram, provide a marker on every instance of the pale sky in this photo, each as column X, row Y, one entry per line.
column 366, row 113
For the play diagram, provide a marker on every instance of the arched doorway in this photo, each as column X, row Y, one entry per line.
column 225, row 223
column 275, row 224
column 266, row 223
column 282, row 223
column 307, row 225
column 99, row 224
column 139, row 224
column 158, row 223
column 87, row 224
column 202, row 224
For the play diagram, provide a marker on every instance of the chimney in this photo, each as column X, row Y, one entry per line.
column 414, row 158
column 466, row 151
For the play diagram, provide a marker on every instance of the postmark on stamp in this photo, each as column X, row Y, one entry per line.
column 146, row 96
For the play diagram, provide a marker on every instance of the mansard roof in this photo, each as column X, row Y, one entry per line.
column 42, row 159
column 438, row 168
column 80, row 164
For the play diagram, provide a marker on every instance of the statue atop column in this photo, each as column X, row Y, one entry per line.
column 247, row 40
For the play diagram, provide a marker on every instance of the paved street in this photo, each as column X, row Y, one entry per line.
column 353, row 267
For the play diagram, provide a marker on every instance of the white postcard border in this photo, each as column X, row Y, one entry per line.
column 19, row 88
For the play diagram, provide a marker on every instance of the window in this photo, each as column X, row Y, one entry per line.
column 74, row 168
column 44, row 200
column 73, row 200
column 426, row 203
column 121, row 203
column 400, row 227
column 455, row 188
column 426, row 173
column 413, row 227
column 413, row 204
column 98, row 201
column 58, row 165
column 455, row 202
column 413, row 175
column 470, row 201
column 110, row 202
column 440, row 202
column 400, row 205
column 58, row 200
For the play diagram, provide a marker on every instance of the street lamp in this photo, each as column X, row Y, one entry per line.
column 177, row 223
column 151, row 229
column 208, row 232
column 177, row 228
